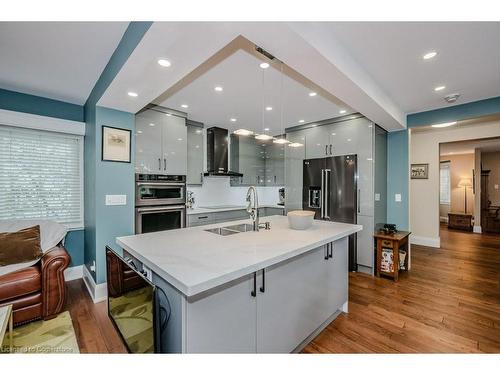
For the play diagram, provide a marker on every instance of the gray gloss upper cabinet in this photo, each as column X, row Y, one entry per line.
column 249, row 157
column 161, row 143
column 275, row 164
column 294, row 160
column 195, row 151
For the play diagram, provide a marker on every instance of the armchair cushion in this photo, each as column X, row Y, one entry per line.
column 20, row 283
column 21, row 246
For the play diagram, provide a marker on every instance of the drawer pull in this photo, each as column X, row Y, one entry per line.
column 202, row 217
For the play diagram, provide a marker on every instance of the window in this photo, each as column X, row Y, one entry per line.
column 41, row 176
column 444, row 183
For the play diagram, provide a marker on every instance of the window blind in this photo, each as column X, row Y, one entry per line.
column 41, row 176
column 444, row 183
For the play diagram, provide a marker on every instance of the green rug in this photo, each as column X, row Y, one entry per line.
column 45, row 336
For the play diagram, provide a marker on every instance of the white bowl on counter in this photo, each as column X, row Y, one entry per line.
column 300, row 219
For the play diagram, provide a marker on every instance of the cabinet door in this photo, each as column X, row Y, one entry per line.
column 194, row 155
column 364, row 142
column 317, row 142
column 224, row 320
column 275, row 165
column 294, row 158
column 148, row 135
column 338, row 279
column 174, row 140
column 294, row 302
column 365, row 247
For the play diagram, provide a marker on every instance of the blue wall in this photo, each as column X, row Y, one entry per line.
column 398, row 152
column 19, row 102
column 104, row 223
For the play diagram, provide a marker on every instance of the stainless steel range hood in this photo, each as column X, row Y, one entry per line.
column 217, row 153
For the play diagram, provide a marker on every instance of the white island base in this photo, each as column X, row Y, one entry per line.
column 276, row 309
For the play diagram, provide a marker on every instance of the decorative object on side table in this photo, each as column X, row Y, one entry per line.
column 419, row 171
column 458, row 220
column 116, row 145
column 392, row 253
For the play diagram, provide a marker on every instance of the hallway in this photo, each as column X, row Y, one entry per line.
column 449, row 302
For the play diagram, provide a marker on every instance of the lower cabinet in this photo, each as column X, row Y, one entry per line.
column 365, row 244
column 292, row 300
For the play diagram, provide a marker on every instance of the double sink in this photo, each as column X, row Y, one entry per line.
column 231, row 229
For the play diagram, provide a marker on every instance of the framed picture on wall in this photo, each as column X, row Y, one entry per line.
column 419, row 171
column 116, row 145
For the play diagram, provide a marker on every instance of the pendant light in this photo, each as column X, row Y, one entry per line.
column 281, row 139
column 262, row 136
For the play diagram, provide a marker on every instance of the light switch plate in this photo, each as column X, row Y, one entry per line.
column 496, row 186
column 116, row 200
column 377, row 197
column 397, row 197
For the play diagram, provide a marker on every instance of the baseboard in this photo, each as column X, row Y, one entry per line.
column 365, row 269
column 425, row 241
column 73, row 273
column 443, row 219
column 98, row 292
column 477, row 229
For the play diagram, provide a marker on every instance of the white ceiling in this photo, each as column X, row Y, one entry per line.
column 391, row 53
column 467, row 147
column 247, row 90
column 57, row 60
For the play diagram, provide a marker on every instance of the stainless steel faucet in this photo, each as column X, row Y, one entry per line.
column 253, row 207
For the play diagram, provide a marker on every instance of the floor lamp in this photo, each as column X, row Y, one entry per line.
column 465, row 183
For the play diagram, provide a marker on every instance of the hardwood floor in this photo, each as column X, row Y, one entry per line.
column 448, row 302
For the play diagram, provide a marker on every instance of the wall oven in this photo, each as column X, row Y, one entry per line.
column 160, row 203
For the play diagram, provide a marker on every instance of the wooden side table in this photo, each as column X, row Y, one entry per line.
column 460, row 221
column 397, row 241
column 6, row 320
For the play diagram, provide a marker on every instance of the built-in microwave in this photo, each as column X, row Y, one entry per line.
column 154, row 190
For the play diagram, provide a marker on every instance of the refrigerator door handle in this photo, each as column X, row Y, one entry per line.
column 359, row 201
column 322, row 195
column 327, row 194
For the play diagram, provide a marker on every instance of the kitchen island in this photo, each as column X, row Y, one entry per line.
column 266, row 291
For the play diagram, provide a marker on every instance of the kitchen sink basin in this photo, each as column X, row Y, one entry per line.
column 232, row 229
column 241, row 227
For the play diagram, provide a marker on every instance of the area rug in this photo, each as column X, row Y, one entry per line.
column 45, row 336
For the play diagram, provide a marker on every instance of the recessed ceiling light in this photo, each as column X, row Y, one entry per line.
column 264, row 65
column 218, row 88
column 184, row 106
column 139, row 131
column 280, row 141
column 334, row 133
column 266, row 129
column 348, row 139
column 232, row 119
column 342, row 111
column 301, row 121
column 444, row 124
column 198, row 131
column 168, row 114
column 132, row 94
column 243, row 132
column 312, row 94
column 179, row 139
column 439, row 88
column 429, row 55
column 269, row 108
column 263, row 137
column 164, row 62
column 151, row 124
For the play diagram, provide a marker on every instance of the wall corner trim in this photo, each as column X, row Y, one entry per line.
column 97, row 292
column 425, row 241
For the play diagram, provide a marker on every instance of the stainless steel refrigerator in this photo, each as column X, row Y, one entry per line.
column 330, row 189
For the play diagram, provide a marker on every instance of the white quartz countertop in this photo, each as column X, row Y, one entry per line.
column 222, row 208
column 194, row 261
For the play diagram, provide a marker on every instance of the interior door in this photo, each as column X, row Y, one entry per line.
column 312, row 198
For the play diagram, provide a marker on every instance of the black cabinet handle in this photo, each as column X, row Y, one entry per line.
column 327, row 249
column 159, row 164
column 164, row 164
column 254, row 291
column 330, row 149
column 331, row 251
column 202, row 217
column 326, row 149
column 263, row 287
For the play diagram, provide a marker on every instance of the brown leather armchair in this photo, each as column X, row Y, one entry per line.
column 39, row 291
